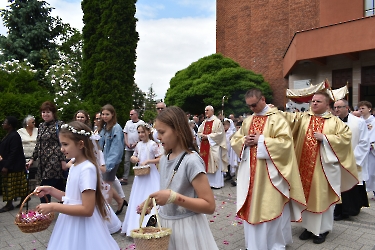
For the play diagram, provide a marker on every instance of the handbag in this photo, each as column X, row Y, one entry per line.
column 152, row 221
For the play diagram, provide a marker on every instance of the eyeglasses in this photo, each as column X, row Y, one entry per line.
column 254, row 104
column 159, row 108
column 339, row 107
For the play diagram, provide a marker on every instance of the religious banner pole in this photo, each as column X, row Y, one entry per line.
column 222, row 109
column 330, row 89
column 285, row 102
column 347, row 88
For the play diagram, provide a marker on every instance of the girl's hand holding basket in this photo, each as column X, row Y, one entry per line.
column 34, row 221
column 146, row 238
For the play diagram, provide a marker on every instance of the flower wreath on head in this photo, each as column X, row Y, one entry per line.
column 146, row 125
column 75, row 131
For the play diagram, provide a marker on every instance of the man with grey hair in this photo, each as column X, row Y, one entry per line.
column 356, row 198
column 213, row 148
column 160, row 106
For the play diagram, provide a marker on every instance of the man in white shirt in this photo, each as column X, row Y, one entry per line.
column 131, row 139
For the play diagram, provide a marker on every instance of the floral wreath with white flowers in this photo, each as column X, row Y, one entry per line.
column 75, row 131
column 145, row 125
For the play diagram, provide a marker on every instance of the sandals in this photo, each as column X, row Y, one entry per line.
column 124, row 203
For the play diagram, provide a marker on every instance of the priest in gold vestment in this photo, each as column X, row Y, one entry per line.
column 326, row 164
column 213, row 148
column 269, row 189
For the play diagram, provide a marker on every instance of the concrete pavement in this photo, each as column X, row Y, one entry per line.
column 355, row 233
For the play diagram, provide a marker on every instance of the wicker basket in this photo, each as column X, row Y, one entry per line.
column 36, row 226
column 141, row 170
column 146, row 238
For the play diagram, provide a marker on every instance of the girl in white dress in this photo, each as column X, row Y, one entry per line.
column 146, row 152
column 185, row 195
column 81, row 223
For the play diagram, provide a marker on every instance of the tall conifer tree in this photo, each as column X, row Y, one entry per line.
column 31, row 33
column 109, row 53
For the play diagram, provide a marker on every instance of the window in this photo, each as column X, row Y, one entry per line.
column 369, row 7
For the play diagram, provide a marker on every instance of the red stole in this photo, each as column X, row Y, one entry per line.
column 310, row 150
column 205, row 144
column 257, row 125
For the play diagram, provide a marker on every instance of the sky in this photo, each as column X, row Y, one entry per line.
column 172, row 35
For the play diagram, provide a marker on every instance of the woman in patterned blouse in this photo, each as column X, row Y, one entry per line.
column 47, row 150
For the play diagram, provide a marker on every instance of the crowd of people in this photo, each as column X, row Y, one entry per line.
column 312, row 167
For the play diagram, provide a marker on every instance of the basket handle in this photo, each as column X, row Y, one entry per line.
column 143, row 213
column 27, row 197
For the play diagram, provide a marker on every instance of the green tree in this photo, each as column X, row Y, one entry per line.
column 110, row 40
column 20, row 92
column 138, row 99
column 149, row 105
column 64, row 76
column 90, row 35
column 208, row 80
column 32, row 33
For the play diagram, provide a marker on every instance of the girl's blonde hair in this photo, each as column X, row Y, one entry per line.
column 74, row 132
column 175, row 118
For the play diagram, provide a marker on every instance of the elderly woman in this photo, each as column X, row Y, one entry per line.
column 47, row 150
column 12, row 165
column 28, row 136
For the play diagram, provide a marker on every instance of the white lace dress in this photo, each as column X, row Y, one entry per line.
column 143, row 186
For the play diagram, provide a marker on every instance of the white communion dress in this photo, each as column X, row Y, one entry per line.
column 76, row 232
column 143, row 186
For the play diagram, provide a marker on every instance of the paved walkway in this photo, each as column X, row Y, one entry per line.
column 356, row 233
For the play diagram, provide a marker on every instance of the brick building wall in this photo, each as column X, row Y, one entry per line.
column 256, row 34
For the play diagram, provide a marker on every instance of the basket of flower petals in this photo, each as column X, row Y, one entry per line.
column 32, row 221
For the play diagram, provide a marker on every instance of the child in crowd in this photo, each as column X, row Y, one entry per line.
column 185, row 196
column 112, row 144
column 116, row 185
column 146, row 152
column 113, row 222
column 81, row 223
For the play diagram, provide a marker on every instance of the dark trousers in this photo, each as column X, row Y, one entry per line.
column 56, row 183
column 352, row 201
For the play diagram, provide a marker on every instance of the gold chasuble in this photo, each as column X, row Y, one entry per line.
column 204, row 149
column 326, row 168
column 260, row 196
column 256, row 126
